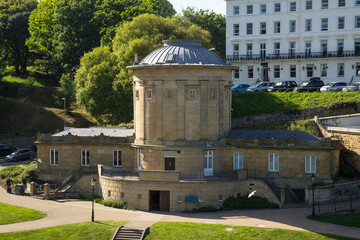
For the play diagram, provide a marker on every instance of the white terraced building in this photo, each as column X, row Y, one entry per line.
column 278, row 40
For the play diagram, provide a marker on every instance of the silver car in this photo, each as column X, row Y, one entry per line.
column 333, row 87
column 260, row 87
column 353, row 87
column 20, row 154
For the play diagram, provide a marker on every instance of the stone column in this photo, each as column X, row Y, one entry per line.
column 221, row 109
column 32, row 188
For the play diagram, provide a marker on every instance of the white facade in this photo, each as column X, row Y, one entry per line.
column 278, row 40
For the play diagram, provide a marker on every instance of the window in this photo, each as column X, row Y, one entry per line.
column 122, row 195
column 323, row 69
column 117, row 158
column 236, row 49
column 277, row 7
column 341, row 22
column 249, row 28
column 308, row 5
column 192, row 94
column 341, row 71
column 277, row 71
column 277, row 48
column 263, row 28
column 249, row 49
column 273, row 162
column 208, row 159
column 277, row 27
column 179, row 198
column 236, row 74
column 292, row 48
column 262, row 8
column 262, row 50
column 139, row 159
column 250, row 72
column 310, row 164
column 357, row 2
column 323, row 47
column 85, row 157
column 236, row 29
column 292, row 26
column 236, row 10
column 137, row 94
column 249, row 9
column 357, row 21
column 357, row 46
column 54, row 157
column 308, row 25
column 357, row 69
column 139, row 197
column 238, row 161
column 341, row 3
column 220, row 197
column 324, row 24
column 292, row 6
column 307, row 48
column 109, row 193
column 309, row 70
column 324, row 4
column 149, row 94
column 340, row 46
column 293, row 71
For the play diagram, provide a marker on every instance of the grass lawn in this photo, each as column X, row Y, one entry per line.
column 244, row 104
column 196, row 231
column 302, row 125
column 350, row 220
column 14, row 214
column 97, row 230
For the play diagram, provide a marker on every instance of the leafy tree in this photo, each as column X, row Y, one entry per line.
column 14, row 18
column 104, row 85
column 211, row 21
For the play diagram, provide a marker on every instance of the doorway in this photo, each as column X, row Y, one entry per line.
column 169, row 163
column 159, row 201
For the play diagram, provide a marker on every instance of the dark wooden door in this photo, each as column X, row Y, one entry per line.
column 169, row 163
column 165, row 201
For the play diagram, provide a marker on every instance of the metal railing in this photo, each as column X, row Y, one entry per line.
column 338, row 205
column 303, row 55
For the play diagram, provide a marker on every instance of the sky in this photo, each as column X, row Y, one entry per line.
column 217, row 6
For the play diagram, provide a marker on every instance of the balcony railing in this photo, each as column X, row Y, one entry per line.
column 304, row 55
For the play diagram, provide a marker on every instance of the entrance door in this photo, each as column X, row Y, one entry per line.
column 265, row 72
column 208, row 163
column 169, row 163
column 159, row 201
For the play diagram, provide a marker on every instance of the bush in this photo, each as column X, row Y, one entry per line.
column 19, row 174
column 243, row 202
column 116, row 204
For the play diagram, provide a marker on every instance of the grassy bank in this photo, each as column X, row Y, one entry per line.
column 245, row 104
column 350, row 220
column 185, row 231
column 98, row 230
column 302, row 125
column 14, row 214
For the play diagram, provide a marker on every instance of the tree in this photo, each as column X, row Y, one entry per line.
column 14, row 18
column 104, row 85
column 211, row 21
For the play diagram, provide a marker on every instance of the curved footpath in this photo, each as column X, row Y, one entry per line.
column 71, row 211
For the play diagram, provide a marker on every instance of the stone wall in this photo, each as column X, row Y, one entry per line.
column 295, row 115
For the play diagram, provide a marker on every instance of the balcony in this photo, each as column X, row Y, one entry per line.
column 281, row 56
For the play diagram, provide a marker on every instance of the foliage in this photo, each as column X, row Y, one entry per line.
column 302, row 125
column 116, row 204
column 243, row 202
column 14, row 18
column 19, row 173
column 13, row 214
column 176, row 230
column 245, row 104
column 212, row 22
column 350, row 220
column 99, row 230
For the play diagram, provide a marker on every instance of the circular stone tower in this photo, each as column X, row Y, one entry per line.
column 182, row 96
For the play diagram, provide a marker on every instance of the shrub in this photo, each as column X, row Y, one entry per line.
column 243, row 202
column 19, row 174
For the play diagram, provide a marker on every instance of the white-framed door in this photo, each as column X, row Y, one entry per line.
column 208, row 163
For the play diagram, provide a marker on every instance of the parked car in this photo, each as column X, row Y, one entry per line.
column 312, row 85
column 6, row 149
column 333, row 87
column 240, row 87
column 260, row 87
column 284, row 86
column 353, row 87
column 20, row 154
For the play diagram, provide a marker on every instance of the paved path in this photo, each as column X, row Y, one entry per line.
column 72, row 211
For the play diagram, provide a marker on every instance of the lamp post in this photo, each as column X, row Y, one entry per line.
column 92, row 209
column 64, row 99
column 313, row 195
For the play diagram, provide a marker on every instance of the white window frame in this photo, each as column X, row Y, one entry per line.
column 324, row 4
column 323, row 70
column 238, row 161
column 292, row 7
column 250, row 9
column 208, row 162
column 249, row 28
column 262, row 28
column 310, row 164
column 117, row 161
column 236, row 10
column 341, row 23
column 236, row 29
column 308, row 25
column 341, row 3
column 324, row 24
column 341, row 69
column 273, row 162
column 277, row 27
column 357, row 21
column 85, row 158
column 262, row 8
column 277, row 7
column 276, row 71
column 192, row 94
column 250, row 72
column 308, row 5
column 357, row 2
column 139, row 159
column 292, row 26
column 54, row 157
column 292, row 71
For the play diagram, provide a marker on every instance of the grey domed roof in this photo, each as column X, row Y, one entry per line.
column 175, row 52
